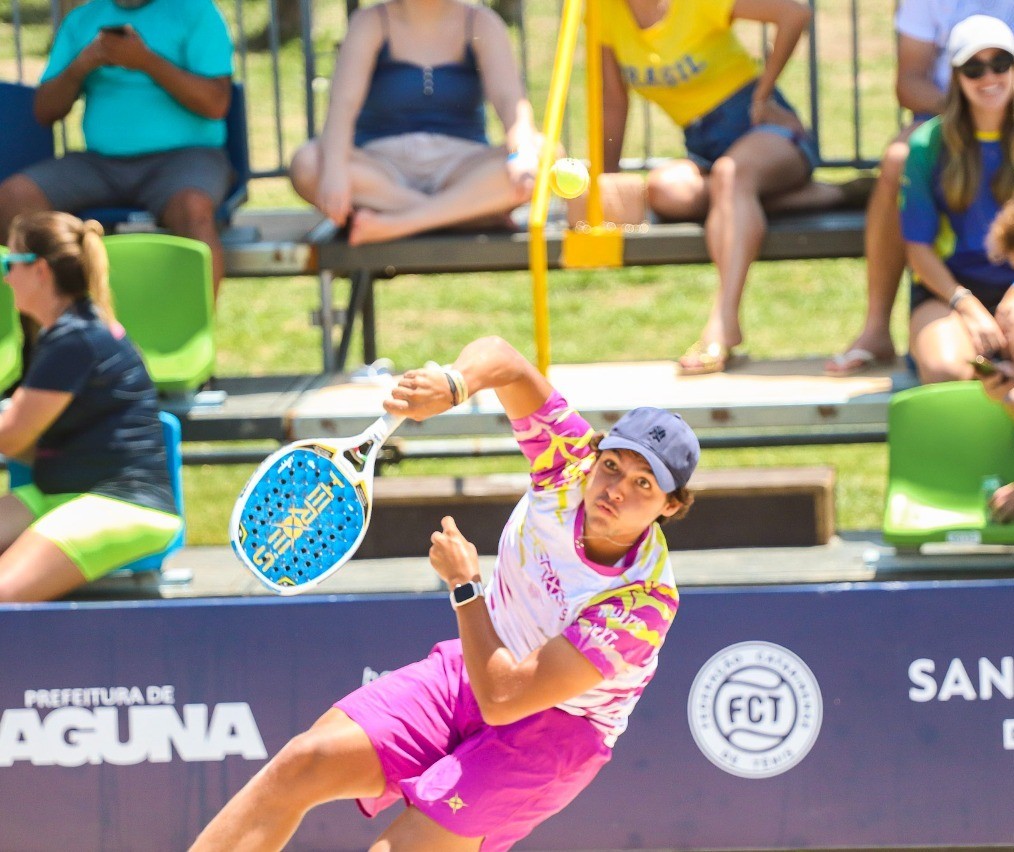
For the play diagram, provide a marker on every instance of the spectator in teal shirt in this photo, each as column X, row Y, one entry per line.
column 155, row 76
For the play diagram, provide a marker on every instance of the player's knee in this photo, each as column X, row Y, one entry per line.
column 300, row 766
column 189, row 209
column 20, row 194
column 304, row 167
column 727, row 177
column 675, row 191
column 936, row 370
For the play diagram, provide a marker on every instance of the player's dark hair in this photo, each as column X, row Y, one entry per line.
column 684, row 495
column 74, row 251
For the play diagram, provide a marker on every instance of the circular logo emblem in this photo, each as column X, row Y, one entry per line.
column 755, row 709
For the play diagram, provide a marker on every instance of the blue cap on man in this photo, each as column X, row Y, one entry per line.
column 667, row 443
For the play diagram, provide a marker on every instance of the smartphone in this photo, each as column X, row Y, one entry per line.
column 983, row 366
column 114, row 29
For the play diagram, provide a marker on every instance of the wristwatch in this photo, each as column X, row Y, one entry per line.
column 465, row 592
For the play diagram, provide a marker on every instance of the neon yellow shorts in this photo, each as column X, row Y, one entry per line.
column 98, row 534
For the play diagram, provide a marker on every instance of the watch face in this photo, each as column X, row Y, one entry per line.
column 464, row 593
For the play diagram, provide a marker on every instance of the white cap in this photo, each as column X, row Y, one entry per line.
column 975, row 33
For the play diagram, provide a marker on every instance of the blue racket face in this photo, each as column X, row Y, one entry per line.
column 300, row 520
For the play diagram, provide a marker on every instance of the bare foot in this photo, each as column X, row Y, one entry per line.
column 369, row 226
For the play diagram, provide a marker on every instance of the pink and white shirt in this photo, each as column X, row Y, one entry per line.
column 543, row 585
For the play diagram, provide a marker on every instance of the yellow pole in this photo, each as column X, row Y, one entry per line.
column 556, row 103
column 593, row 95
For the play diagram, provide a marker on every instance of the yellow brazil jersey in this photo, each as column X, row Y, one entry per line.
column 687, row 63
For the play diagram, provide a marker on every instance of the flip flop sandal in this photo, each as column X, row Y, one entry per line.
column 856, row 360
column 704, row 358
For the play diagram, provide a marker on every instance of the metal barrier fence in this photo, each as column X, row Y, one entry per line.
column 841, row 79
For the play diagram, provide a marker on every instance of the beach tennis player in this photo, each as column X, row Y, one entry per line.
column 498, row 729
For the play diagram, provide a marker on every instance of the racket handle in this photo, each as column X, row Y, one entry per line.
column 382, row 429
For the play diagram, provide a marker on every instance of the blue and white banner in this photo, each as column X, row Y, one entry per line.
column 780, row 717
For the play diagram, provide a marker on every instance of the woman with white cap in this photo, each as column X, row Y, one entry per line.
column 960, row 171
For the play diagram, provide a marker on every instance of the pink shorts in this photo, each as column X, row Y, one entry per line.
column 473, row 779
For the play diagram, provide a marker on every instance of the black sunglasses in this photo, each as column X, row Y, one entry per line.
column 976, row 68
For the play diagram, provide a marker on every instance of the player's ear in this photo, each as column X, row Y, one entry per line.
column 672, row 505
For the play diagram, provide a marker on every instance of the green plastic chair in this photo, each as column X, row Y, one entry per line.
column 162, row 293
column 945, row 441
column 10, row 337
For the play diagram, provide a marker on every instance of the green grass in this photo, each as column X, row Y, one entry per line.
column 790, row 309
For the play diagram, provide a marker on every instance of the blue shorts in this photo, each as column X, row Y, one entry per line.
column 713, row 133
column 989, row 296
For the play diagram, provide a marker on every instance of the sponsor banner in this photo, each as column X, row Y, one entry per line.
column 780, row 717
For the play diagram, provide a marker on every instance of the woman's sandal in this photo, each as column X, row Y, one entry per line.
column 703, row 358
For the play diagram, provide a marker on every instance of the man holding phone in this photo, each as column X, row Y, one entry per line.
column 155, row 76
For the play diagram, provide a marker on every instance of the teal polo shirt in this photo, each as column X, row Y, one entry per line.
column 126, row 112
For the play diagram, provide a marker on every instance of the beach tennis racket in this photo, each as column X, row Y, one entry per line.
column 305, row 510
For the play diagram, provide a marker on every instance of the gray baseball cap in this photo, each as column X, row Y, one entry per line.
column 668, row 445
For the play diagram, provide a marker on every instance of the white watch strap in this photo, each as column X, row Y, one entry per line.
column 465, row 593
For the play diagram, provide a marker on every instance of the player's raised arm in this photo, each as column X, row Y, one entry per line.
column 489, row 362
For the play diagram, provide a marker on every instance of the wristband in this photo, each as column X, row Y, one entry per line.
column 455, row 382
column 958, row 295
column 459, row 390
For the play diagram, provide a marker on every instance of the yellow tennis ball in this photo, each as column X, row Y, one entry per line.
column 568, row 178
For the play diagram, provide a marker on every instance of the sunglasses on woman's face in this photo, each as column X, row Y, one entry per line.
column 8, row 260
column 976, row 68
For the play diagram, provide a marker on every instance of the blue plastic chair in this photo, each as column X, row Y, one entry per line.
column 21, row 474
column 23, row 141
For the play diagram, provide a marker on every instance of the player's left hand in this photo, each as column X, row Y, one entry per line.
column 127, row 50
column 452, row 555
column 420, row 394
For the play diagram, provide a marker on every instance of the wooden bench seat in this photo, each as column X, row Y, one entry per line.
column 298, row 242
column 743, row 507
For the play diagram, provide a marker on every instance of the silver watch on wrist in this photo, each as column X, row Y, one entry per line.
column 463, row 593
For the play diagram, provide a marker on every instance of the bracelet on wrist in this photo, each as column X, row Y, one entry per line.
column 455, row 382
column 959, row 294
column 459, row 390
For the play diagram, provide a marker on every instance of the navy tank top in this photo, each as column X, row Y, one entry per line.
column 407, row 98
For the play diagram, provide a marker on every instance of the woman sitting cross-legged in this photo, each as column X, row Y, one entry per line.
column 404, row 145
column 85, row 418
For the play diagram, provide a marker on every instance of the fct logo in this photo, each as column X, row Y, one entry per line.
column 755, row 709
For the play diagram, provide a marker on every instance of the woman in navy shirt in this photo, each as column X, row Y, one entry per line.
column 404, row 144
column 85, row 418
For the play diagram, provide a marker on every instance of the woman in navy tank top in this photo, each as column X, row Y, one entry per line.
column 404, row 144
